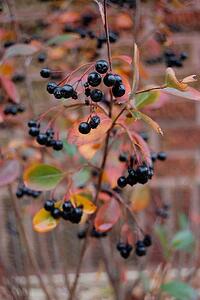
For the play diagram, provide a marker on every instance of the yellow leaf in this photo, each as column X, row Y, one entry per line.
column 88, row 206
column 140, row 198
column 89, row 150
column 173, row 82
column 43, row 221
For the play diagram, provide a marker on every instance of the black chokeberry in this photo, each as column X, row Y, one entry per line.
column 41, row 57
column 32, row 123
column 49, row 205
column 120, row 246
column 34, row 131
column 42, row 138
column 124, row 253
column 58, row 93
column 147, row 240
column 154, row 156
column 94, row 79
column 67, row 206
column 19, row 193
column 101, row 66
column 58, row 145
column 45, row 73
column 109, row 80
column 132, row 177
column 140, row 249
column 123, row 157
column 96, row 95
column 87, row 92
column 94, row 122
column 81, row 234
column 56, row 213
column 122, row 182
column 118, row 79
column 183, row 56
column 84, row 127
column 142, row 174
column 162, row 156
column 113, row 37
column 66, row 215
column 51, row 87
column 75, row 95
column 67, row 91
column 118, row 90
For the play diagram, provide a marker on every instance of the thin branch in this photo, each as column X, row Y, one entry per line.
column 152, row 89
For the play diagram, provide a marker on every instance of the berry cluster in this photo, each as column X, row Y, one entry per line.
column 124, row 249
column 13, row 109
column 173, row 60
column 46, row 138
column 85, row 127
column 22, row 190
column 68, row 212
column 142, row 173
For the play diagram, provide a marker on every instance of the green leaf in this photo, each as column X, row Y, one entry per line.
column 161, row 233
column 69, row 148
column 145, row 99
column 179, row 290
column 183, row 240
column 42, row 177
column 62, row 38
column 183, row 221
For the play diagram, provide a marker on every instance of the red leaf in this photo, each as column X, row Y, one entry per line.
column 9, row 171
column 143, row 146
column 125, row 58
column 10, row 89
column 107, row 216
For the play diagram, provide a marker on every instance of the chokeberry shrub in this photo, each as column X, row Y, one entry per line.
column 94, row 126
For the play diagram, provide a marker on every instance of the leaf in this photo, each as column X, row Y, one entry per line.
column 125, row 58
column 9, row 171
column 42, row 177
column 88, row 151
column 179, row 290
column 183, row 240
column 172, row 82
column 144, row 148
column 75, row 137
column 70, row 149
column 88, row 206
column 10, row 89
column 140, row 198
column 59, row 39
column 188, row 79
column 146, row 98
column 101, row 10
column 161, row 233
column 189, row 93
column 19, row 49
column 43, row 221
column 140, row 116
column 107, row 216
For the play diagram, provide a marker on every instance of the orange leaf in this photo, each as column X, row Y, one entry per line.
column 89, row 150
column 75, row 137
column 107, row 216
column 88, row 206
column 140, row 198
column 10, row 88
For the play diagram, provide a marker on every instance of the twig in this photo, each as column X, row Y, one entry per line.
column 26, row 243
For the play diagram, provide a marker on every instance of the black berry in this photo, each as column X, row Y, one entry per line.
column 94, row 122
column 123, row 157
column 34, row 131
column 49, row 205
column 67, row 91
column 94, row 79
column 51, row 87
column 32, row 123
column 67, row 206
column 84, row 128
column 147, row 240
column 162, row 156
column 119, row 90
column 109, row 80
column 96, row 95
column 58, row 145
column 58, row 93
column 42, row 138
column 56, row 213
column 101, row 66
column 42, row 57
column 45, row 73
column 122, row 182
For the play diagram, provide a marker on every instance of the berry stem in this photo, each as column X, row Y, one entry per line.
column 151, row 89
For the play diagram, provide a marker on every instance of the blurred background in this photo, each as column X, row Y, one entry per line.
column 67, row 34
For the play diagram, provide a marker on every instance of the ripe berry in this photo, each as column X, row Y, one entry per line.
column 58, row 93
column 45, row 73
column 113, row 37
column 118, row 79
column 87, row 92
column 32, row 123
column 56, row 213
column 51, row 87
column 67, row 206
column 19, row 193
column 84, row 128
column 132, row 177
column 49, row 205
column 118, row 90
column 42, row 138
column 42, row 57
column 75, row 95
column 183, row 56
column 101, row 66
column 162, row 156
column 66, row 215
column 140, row 249
column 142, row 174
column 109, row 80
column 124, row 253
column 94, row 79
column 81, row 234
column 96, row 95
column 120, row 246
column 123, row 157
column 58, row 145
column 67, row 91
column 144, row 135
column 147, row 240
column 34, row 131
column 154, row 157
column 122, row 182
column 94, row 122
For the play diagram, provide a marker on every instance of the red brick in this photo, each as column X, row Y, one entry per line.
column 176, row 167
column 176, row 111
column 181, row 138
